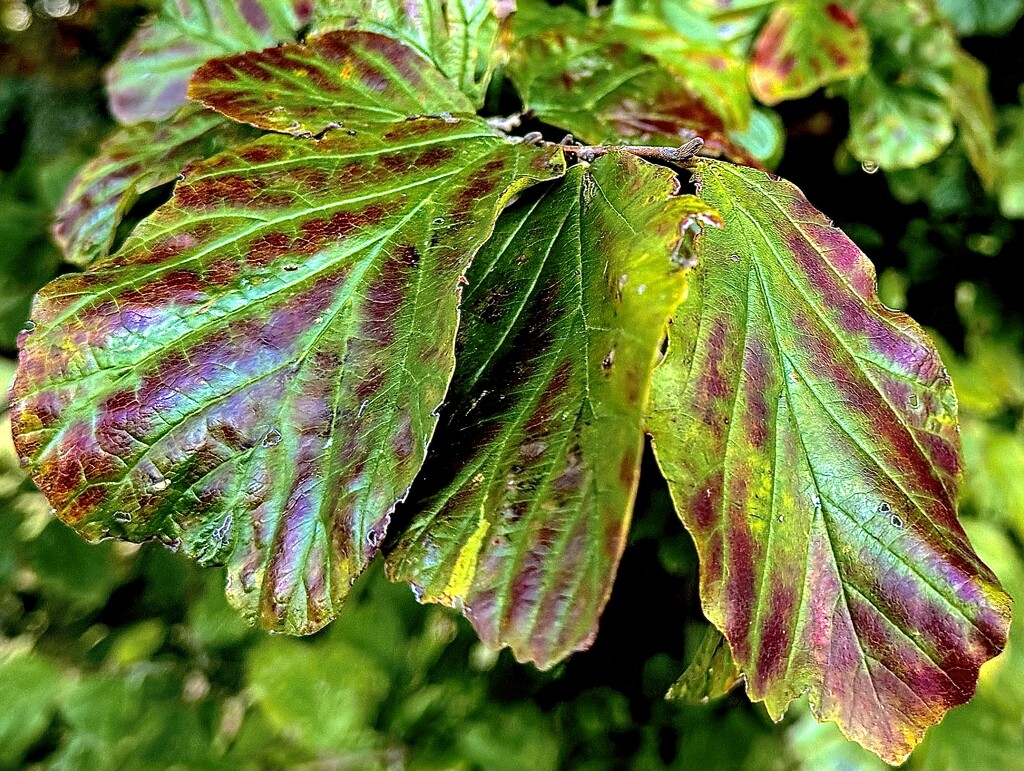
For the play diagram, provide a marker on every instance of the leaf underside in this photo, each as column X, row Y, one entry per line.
column 808, row 435
column 523, row 507
column 255, row 373
column 148, row 79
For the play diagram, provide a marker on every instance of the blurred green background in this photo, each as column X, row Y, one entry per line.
column 115, row 656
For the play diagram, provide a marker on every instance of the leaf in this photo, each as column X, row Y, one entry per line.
column 976, row 116
column 808, row 435
column 255, row 373
column 148, row 79
column 31, row 685
column 805, row 45
column 525, row 502
column 580, row 79
column 901, row 114
column 133, row 160
column 982, row 17
column 340, row 78
column 1010, row 186
column 711, row 673
column 464, row 38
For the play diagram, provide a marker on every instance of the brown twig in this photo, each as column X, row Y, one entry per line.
column 589, row 152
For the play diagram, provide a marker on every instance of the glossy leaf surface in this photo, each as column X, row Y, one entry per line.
column 149, row 77
column 808, row 436
column 525, row 502
column 340, row 78
column 134, row 160
column 255, row 374
column 578, row 77
column 464, row 38
column 805, row 45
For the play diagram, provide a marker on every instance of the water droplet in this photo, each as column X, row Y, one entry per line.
column 439, row 220
column 781, row 518
column 896, row 521
column 272, row 438
column 869, row 167
column 622, row 281
column 123, row 517
column 291, row 266
column 734, row 257
column 884, row 507
column 160, row 486
column 180, row 178
column 609, row 359
column 362, row 408
column 29, row 326
column 24, row 460
column 641, row 289
column 914, row 401
column 373, row 538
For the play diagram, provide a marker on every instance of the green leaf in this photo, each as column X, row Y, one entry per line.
column 132, row 161
column 148, row 79
column 255, row 373
column 982, row 17
column 975, row 116
column 711, row 672
column 525, row 503
column 809, row 439
column 324, row 696
column 901, row 113
column 464, row 38
column 1010, row 185
column 805, row 45
column 339, row 78
column 30, row 686
column 579, row 78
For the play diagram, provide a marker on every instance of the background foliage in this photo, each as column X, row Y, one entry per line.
column 115, row 656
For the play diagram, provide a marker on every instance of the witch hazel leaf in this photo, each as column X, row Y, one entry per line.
column 809, row 438
column 581, row 79
column 339, row 78
column 148, row 79
column 710, row 674
column 255, row 374
column 522, row 509
column 806, row 44
column 466, row 39
column 901, row 109
column 134, row 160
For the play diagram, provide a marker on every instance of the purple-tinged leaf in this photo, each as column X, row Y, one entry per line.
column 809, row 438
column 149, row 78
column 523, row 507
column 807, row 44
column 584, row 81
column 466, row 39
column 255, row 373
column 339, row 78
column 132, row 161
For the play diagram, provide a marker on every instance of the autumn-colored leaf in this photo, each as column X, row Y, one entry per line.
column 466, row 39
column 346, row 78
column 809, row 439
column 149, row 77
column 581, row 80
column 134, row 160
column 255, row 373
column 523, row 507
column 807, row 44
